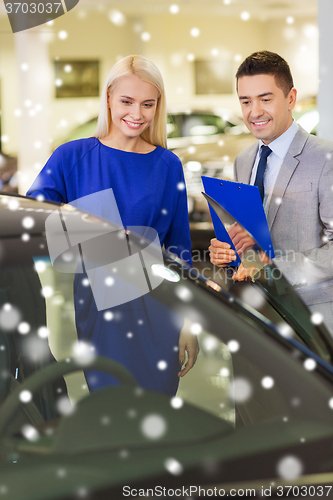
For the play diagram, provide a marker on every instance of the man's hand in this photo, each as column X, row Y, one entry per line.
column 221, row 254
column 241, row 239
column 245, row 273
column 189, row 343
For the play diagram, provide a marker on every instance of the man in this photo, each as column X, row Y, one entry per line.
column 297, row 183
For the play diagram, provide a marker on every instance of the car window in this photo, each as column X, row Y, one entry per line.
column 272, row 296
column 232, row 348
column 238, row 372
column 194, row 124
column 202, row 124
column 266, row 289
column 276, row 300
column 289, row 312
column 251, row 390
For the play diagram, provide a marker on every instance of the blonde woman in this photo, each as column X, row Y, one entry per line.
column 128, row 154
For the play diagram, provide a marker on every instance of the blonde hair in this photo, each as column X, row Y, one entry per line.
column 146, row 70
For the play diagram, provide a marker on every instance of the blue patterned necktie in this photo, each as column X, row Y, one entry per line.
column 265, row 152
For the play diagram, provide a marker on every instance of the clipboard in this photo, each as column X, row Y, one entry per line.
column 231, row 202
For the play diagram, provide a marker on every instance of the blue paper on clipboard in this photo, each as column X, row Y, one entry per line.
column 241, row 203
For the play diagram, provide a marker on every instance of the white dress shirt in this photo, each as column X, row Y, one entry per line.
column 279, row 149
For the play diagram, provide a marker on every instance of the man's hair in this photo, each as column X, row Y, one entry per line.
column 267, row 63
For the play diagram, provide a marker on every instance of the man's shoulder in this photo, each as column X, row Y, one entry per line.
column 320, row 143
column 249, row 151
column 308, row 144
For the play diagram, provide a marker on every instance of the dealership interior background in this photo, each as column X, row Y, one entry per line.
column 175, row 35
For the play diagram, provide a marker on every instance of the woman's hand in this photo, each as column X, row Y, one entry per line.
column 189, row 343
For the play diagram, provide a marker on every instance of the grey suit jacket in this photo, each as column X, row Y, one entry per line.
column 300, row 214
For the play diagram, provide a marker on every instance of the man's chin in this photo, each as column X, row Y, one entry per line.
column 260, row 134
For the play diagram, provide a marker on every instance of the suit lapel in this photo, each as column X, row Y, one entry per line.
column 244, row 165
column 288, row 167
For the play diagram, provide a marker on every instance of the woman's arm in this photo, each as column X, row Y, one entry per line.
column 50, row 183
column 178, row 240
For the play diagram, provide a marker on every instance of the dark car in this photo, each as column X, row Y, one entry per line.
column 252, row 418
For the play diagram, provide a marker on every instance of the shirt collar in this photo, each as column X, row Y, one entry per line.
column 281, row 145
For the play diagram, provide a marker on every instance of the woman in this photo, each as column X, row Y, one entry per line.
column 127, row 153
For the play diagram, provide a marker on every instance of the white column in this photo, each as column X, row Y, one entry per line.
column 325, row 94
column 35, row 87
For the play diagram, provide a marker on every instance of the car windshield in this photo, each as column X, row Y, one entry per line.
column 66, row 296
column 195, row 124
column 269, row 292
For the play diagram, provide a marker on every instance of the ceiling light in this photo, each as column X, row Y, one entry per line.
column 63, row 35
column 195, row 32
column 117, row 18
column 245, row 16
column 174, row 9
column 145, row 36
